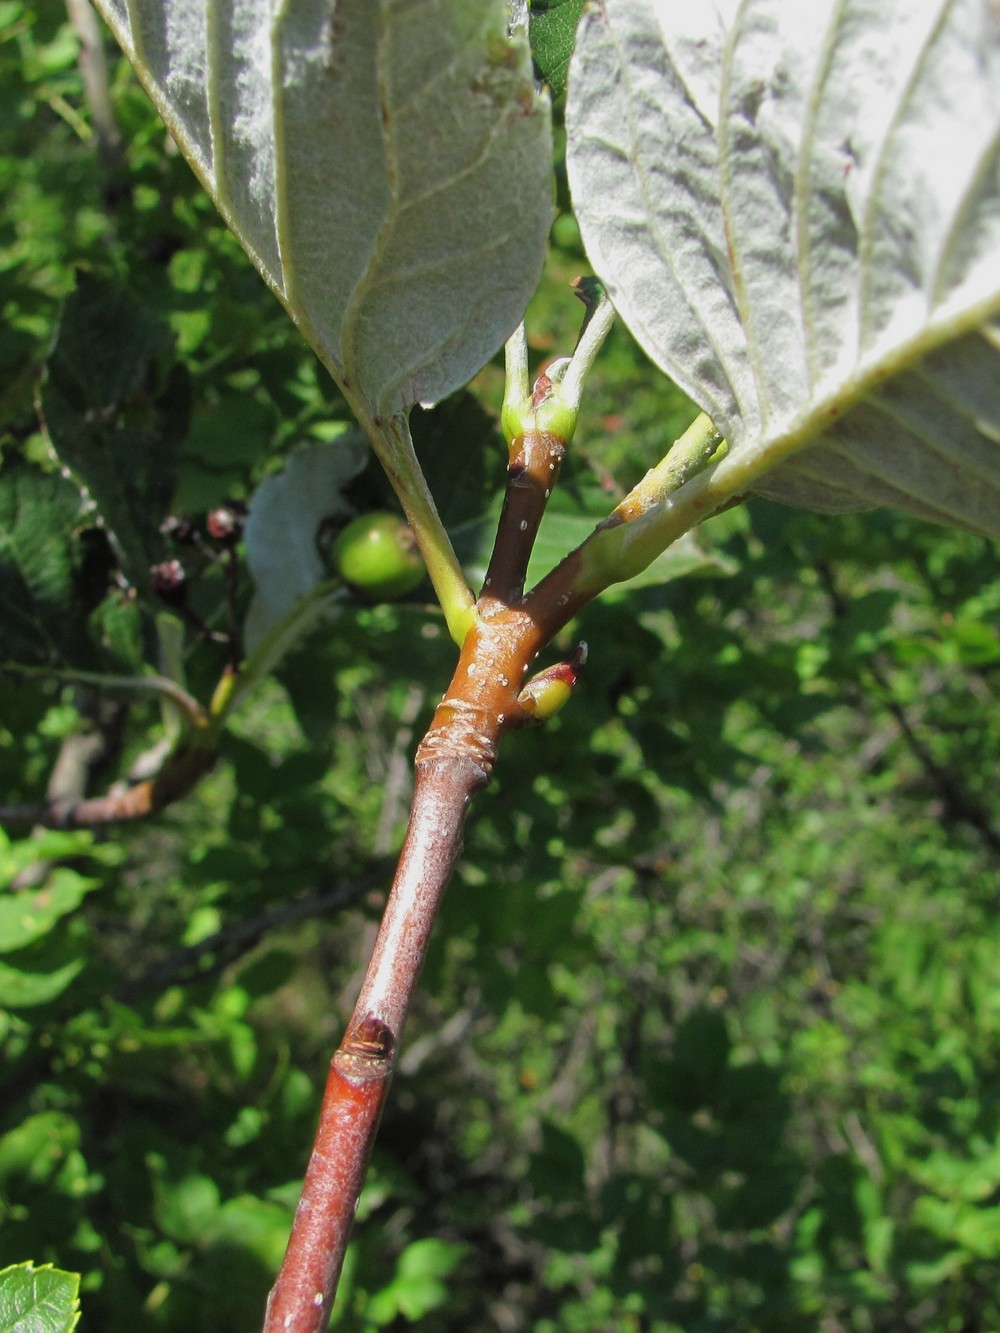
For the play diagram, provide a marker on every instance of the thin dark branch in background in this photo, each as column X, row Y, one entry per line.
column 212, row 955
column 397, row 786
column 958, row 804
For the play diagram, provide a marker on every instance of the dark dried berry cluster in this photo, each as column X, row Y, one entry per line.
column 225, row 523
column 180, row 530
column 170, row 582
column 212, row 543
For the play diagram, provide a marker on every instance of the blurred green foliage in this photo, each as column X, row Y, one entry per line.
column 708, row 1037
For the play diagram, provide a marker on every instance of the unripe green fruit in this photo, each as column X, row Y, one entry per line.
column 377, row 555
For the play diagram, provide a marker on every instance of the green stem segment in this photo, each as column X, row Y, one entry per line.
column 596, row 327
column 393, row 445
column 644, row 524
column 517, row 389
column 166, row 688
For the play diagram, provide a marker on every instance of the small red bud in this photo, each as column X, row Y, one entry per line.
column 541, row 391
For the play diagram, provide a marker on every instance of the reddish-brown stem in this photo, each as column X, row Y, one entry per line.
column 531, row 474
column 362, row 1068
column 178, row 776
column 356, row 1086
column 454, row 761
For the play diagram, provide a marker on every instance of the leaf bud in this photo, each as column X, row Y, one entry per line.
column 549, row 692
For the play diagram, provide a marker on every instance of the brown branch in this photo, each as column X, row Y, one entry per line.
column 179, row 775
column 453, row 762
column 362, row 1068
column 531, row 474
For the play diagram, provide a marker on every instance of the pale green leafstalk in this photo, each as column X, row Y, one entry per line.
column 651, row 516
column 517, row 387
column 689, row 455
column 278, row 641
column 393, row 445
column 595, row 329
column 697, row 478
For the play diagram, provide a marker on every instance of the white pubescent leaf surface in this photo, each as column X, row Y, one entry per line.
column 385, row 163
column 286, row 513
column 795, row 206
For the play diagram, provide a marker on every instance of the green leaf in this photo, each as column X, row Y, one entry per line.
column 253, row 1224
column 806, row 236
column 29, row 915
column 18, row 854
column 187, row 1208
column 36, row 1150
column 24, row 989
column 38, row 1300
column 552, row 26
column 385, row 165
column 286, row 513
column 462, row 456
column 418, row 1286
column 50, row 579
column 40, row 971
column 116, row 408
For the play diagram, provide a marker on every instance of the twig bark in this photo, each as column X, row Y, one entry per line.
column 532, row 471
column 183, row 769
column 487, row 697
column 453, row 762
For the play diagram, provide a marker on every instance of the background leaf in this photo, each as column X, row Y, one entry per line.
column 29, row 915
column 116, row 407
column 806, row 235
column 54, row 569
column 552, row 26
column 38, row 1300
column 386, row 166
column 285, row 517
